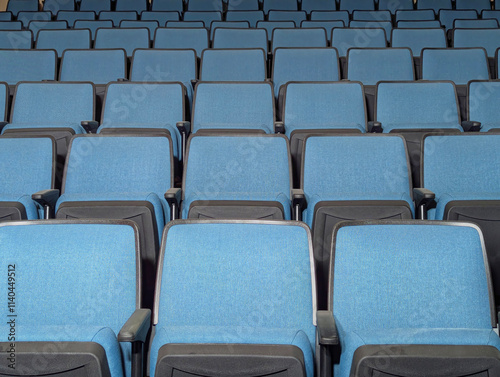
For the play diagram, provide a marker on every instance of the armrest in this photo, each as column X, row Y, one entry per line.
column 137, row 327
column 299, row 203
column 327, row 329
column 46, row 197
column 375, row 127
column 2, row 125
column 194, row 82
column 423, row 199
column 471, row 126
column 279, row 127
column 173, row 196
column 90, row 126
column 184, row 127
column 268, row 80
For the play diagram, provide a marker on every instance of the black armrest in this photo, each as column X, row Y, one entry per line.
column 2, row 125
column 327, row 329
column 184, row 127
column 375, row 127
column 137, row 327
column 46, row 197
column 173, row 197
column 423, row 198
column 299, row 203
column 279, row 127
column 471, row 126
column 90, row 126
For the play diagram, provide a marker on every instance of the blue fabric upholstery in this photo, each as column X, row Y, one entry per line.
column 430, row 281
column 33, row 65
column 342, row 15
column 419, row 24
column 16, row 6
column 386, row 25
column 11, row 25
column 478, row 5
column 457, row 65
column 132, row 5
column 309, row 64
column 242, row 5
column 4, row 92
column 233, row 65
column 228, row 25
column 241, row 106
column 364, row 167
column 271, row 25
column 459, row 176
column 352, row 5
column 151, row 25
column 373, row 65
column 173, row 38
column 394, row 6
column 435, row 5
column 27, row 17
column 95, row 5
column 287, row 15
column 207, row 6
column 279, row 5
column 5, row 16
column 345, row 38
column 16, row 39
column 61, row 40
column 417, row 39
column 185, row 24
column 93, row 25
column 476, row 24
column 101, row 268
column 484, row 100
column 55, row 6
column 251, row 16
column 253, row 160
column 206, row 16
column 327, row 25
column 161, row 17
column 117, row 17
column 36, row 26
column 318, row 5
column 420, row 105
column 415, row 15
column 26, row 169
column 339, row 105
column 167, row 5
column 370, row 15
column 485, row 14
column 128, row 39
column 239, row 38
column 220, row 258
column 97, row 66
column 299, row 38
column 489, row 39
column 142, row 105
column 72, row 16
column 447, row 17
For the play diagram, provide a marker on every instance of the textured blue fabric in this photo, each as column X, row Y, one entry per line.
column 243, row 106
column 16, row 6
column 185, row 24
column 386, row 25
column 476, row 24
column 342, row 15
column 92, row 294
column 52, row 105
column 3, row 101
column 287, row 15
column 489, row 39
column 251, row 16
column 27, row 17
column 33, row 210
column 55, row 6
column 271, row 25
column 167, row 5
column 419, row 24
column 161, row 16
column 373, row 65
column 95, row 5
column 61, row 40
column 242, row 5
column 370, row 15
column 97, row 66
column 327, row 25
column 299, row 38
column 128, row 39
column 393, row 6
column 430, row 281
column 279, row 5
column 203, row 5
column 484, row 100
column 252, row 285
column 210, row 176
column 206, row 16
column 71, row 16
column 457, row 65
column 468, row 175
column 228, row 25
column 5, row 16
column 36, row 26
column 236, row 38
column 172, row 38
column 93, row 25
column 448, row 16
column 11, row 25
column 151, row 25
column 415, row 15
column 417, row 39
column 419, row 104
column 15, row 40
column 142, row 105
column 354, row 168
column 345, row 38
column 233, row 65
column 435, row 5
column 478, row 5
column 318, row 5
column 324, row 105
column 132, row 5
column 485, row 14
column 309, row 64
column 352, row 5
column 117, row 17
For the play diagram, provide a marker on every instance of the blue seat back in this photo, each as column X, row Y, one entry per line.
column 485, row 14
column 242, row 5
column 127, row 39
column 345, row 38
column 279, row 5
column 161, row 16
column 415, row 15
column 491, row 23
column 233, row 65
column 448, row 16
column 132, row 5
column 435, row 5
column 151, row 25
column 327, row 25
column 419, row 24
column 252, row 17
column 489, row 39
column 11, row 25
column 299, row 38
column 418, row 39
column 173, row 38
column 269, row 26
column 228, row 25
column 96, row 6
column 72, row 16
column 394, row 6
column 31, row 65
column 185, row 24
column 207, row 17
column 352, row 5
column 332, row 15
column 386, row 25
column 478, row 5
column 93, row 25
column 54, row 6
column 371, row 15
column 36, row 26
column 207, row 6
column 240, row 38
column 16, row 39
column 287, row 15
column 27, row 17
column 60, row 40
column 16, row 6
column 483, row 103
column 5, row 16
column 167, row 5
column 117, row 17
column 317, row 5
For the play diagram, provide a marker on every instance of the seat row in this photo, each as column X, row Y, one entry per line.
column 241, row 295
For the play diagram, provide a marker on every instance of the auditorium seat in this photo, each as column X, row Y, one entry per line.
column 478, row 5
column 341, row 15
column 28, row 167
column 5, row 16
column 269, row 26
column 317, row 5
column 96, row 6
column 127, row 39
column 93, row 25
column 36, row 26
column 160, row 16
column 394, row 6
column 267, row 327
column 298, row 38
column 345, row 38
column 327, row 25
column 121, row 177
column 27, row 17
column 206, row 16
column 202, row 5
column 415, row 15
column 60, row 40
column 11, row 25
column 239, row 38
column 485, row 14
column 242, row 5
column 186, row 38
column 233, row 106
column 227, row 25
column 240, row 15
column 117, row 17
column 435, row 5
column 352, row 5
column 386, row 25
column 233, row 65
column 279, row 5
column 72, row 16
column 483, row 100
column 491, row 23
column 151, row 25
column 29, row 65
column 489, row 39
column 448, row 16
column 55, row 6
column 371, row 15
column 167, row 5
column 85, row 318
column 287, row 15
column 435, row 24
column 354, row 177
column 16, row 6
column 466, row 186
column 132, row 5
column 16, row 39
column 432, row 313
column 185, row 24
